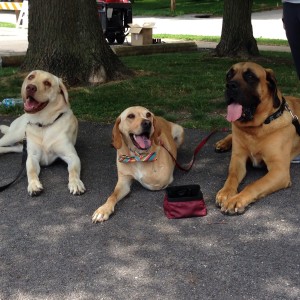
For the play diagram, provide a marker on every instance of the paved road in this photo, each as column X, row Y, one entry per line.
column 265, row 24
column 49, row 249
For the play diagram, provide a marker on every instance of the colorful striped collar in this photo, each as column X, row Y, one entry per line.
column 137, row 157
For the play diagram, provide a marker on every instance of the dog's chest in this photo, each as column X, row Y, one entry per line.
column 256, row 160
column 41, row 145
column 255, row 154
column 48, row 156
column 152, row 175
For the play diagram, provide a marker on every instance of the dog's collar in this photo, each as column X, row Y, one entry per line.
column 46, row 125
column 277, row 113
column 137, row 157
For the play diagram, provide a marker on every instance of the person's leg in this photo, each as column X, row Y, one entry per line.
column 291, row 19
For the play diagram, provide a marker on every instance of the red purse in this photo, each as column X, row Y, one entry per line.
column 184, row 201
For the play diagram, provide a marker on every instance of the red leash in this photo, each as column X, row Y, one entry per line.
column 198, row 148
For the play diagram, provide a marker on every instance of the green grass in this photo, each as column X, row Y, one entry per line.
column 186, row 88
column 183, row 87
column 162, row 8
column 212, row 7
column 7, row 25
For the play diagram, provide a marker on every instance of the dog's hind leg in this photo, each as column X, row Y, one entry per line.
column 16, row 148
column 224, row 144
column 4, row 128
column 11, row 142
column 13, row 135
column 178, row 134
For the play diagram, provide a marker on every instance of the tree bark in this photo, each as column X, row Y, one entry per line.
column 66, row 39
column 173, row 5
column 237, row 35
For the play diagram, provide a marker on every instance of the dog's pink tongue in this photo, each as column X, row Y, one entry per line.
column 143, row 141
column 234, row 112
column 30, row 104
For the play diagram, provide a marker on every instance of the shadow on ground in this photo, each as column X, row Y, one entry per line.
column 51, row 250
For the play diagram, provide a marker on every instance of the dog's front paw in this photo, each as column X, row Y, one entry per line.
column 223, row 145
column 34, row 187
column 223, row 195
column 76, row 187
column 230, row 202
column 234, row 205
column 102, row 213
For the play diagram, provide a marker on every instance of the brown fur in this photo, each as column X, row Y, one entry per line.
column 154, row 175
column 275, row 144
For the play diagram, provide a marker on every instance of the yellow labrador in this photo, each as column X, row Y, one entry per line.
column 50, row 127
column 138, row 136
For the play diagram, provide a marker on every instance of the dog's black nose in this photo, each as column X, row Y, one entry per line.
column 232, row 85
column 146, row 124
column 31, row 89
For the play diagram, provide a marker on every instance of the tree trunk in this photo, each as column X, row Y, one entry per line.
column 237, row 36
column 173, row 5
column 66, row 39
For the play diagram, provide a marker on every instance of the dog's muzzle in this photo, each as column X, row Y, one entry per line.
column 31, row 105
column 142, row 141
column 240, row 107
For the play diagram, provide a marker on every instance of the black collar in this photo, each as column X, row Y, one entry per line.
column 47, row 125
column 277, row 113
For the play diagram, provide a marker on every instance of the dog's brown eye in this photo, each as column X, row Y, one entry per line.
column 131, row 116
column 47, row 83
column 250, row 77
column 30, row 77
column 148, row 115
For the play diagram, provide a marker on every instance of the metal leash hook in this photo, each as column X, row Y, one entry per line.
column 295, row 119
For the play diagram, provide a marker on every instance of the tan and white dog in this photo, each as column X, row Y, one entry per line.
column 137, row 137
column 50, row 128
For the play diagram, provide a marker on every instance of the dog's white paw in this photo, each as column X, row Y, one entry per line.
column 34, row 187
column 76, row 187
column 102, row 214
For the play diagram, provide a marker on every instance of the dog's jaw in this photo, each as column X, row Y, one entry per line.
column 240, row 108
column 141, row 141
column 32, row 106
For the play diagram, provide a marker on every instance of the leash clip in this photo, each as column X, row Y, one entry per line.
column 295, row 117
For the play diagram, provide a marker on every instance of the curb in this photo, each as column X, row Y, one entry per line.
column 155, row 48
column 12, row 59
column 16, row 59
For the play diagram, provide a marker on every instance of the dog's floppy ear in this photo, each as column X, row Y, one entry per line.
column 64, row 91
column 272, row 82
column 157, row 130
column 116, row 135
